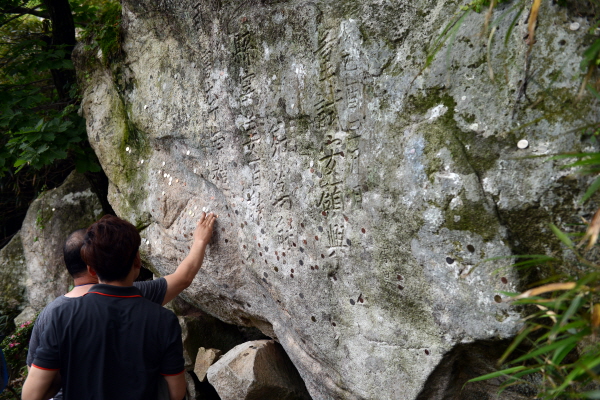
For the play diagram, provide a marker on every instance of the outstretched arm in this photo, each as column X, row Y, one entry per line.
column 189, row 267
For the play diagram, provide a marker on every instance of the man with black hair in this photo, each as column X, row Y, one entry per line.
column 72, row 328
column 160, row 291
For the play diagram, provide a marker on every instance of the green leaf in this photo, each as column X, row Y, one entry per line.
column 516, row 341
column 594, row 394
column 576, row 303
column 48, row 137
column 590, row 55
column 588, row 161
column 577, row 372
column 562, row 352
column 512, row 25
column 591, row 190
column 593, row 91
column 497, row 374
column 34, row 137
column 562, row 236
column 550, row 347
column 570, row 155
column 19, row 162
column 438, row 43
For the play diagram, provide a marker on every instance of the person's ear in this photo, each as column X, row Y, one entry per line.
column 91, row 271
column 137, row 261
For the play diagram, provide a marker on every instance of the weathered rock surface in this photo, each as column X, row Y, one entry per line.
column 357, row 198
column 204, row 359
column 257, row 370
column 33, row 260
column 29, row 314
column 12, row 277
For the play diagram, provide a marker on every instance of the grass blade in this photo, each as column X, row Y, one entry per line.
column 579, row 370
column 497, row 374
column 551, row 287
column 594, row 394
column 517, row 341
column 550, row 347
column 562, row 236
column 512, row 25
column 591, row 190
column 593, row 91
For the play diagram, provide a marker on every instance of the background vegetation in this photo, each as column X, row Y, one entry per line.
column 42, row 136
column 15, row 346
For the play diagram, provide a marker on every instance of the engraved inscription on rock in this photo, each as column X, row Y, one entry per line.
column 342, row 179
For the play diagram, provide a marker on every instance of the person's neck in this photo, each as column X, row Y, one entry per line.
column 124, row 283
column 82, row 285
column 127, row 281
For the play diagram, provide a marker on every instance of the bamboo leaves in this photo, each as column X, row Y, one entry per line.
column 558, row 341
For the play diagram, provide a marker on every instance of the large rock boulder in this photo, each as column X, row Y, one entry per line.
column 49, row 220
column 358, row 198
column 257, row 370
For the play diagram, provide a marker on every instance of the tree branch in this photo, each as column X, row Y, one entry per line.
column 24, row 10
column 20, row 11
column 9, row 87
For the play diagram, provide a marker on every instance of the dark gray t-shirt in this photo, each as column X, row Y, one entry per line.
column 154, row 291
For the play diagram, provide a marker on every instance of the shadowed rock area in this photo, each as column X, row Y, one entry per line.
column 467, row 361
column 357, row 197
column 33, row 271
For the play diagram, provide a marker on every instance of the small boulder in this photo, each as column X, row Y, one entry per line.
column 27, row 315
column 257, row 370
column 204, row 359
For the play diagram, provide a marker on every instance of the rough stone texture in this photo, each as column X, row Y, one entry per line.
column 12, row 277
column 32, row 270
column 357, row 198
column 204, row 359
column 49, row 220
column 257, row 370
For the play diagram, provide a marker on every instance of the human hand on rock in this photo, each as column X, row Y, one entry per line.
column 204, row 228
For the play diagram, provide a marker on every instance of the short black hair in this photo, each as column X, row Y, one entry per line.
column 110, row 247
column 72, row 253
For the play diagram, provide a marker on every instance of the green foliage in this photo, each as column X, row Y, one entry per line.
column 37, row 125
column 48, row 140
column 559, row 342
column 103, row 32
column 14, row 347
column 591, row 56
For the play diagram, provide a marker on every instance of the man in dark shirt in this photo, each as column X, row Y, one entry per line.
column 159, row 291
column 111, row 343
column 154, row 290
